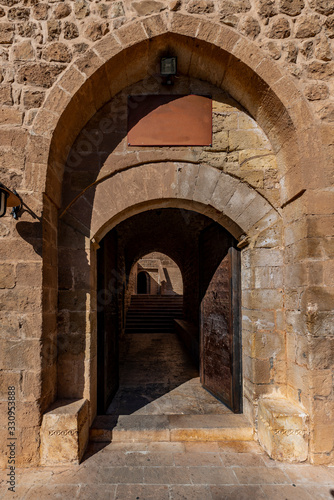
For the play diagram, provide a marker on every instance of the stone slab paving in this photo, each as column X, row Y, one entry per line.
column 174, row 471
column 157, row 377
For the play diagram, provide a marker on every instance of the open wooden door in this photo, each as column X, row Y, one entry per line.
column 107, row 322
column 220, row 316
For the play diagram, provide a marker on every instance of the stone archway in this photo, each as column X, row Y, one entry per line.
column 202, row 189
column 204, row 250
column 288, row 128
column 219, row 55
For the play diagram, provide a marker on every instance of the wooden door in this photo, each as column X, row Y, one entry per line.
column 107, row 322
column 220, row 312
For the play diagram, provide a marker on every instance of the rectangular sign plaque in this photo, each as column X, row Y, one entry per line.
column 169, row 120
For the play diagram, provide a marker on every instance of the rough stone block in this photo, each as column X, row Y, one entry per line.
column 184, row 25
column 283, row 430
column 10, row 116
column 130, row 34
column 155, row 25
column 254, row 212
column 205, row 185
column 108, row 47
column 6, row 32
column 7, row 276
column 324, row 438
column 64, row 432
column 6, row 97
column 23, row 51
column 42, row 74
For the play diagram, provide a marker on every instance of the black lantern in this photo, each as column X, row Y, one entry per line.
column 9, row 198
column 168, row 68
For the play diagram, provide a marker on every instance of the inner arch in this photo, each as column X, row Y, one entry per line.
column 156, row 330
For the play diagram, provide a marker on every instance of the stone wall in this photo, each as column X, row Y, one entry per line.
column 52, row 54
column 38, row 41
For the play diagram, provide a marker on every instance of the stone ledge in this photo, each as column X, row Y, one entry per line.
column 283, row 430
column 65, row 432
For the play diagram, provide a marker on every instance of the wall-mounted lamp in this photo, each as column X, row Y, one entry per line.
column 9, row 198
column 168, row 68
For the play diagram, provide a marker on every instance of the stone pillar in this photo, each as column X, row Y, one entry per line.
column 309, row 313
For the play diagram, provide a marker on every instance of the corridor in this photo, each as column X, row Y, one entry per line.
column 157, row 377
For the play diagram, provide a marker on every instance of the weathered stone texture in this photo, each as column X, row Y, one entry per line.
column 18, row 14
column 316, row 91
column 70, row 31
column 279, row 28
column 58, row 52
column 147, row 7
column 307, row 27
column 200, row 6
column 323, row 49
column 95, row 31
column 24, row 51
column 116, row 10
column 81, row 9
column 291, row 7
column 283, row 430
column 41, row 75
column 325, row 7
column 250, row 27
column 40, row 11
column 39, row 41
column 6, row 32
column 64, row 433
column 62, row 10
column 6, row 94
column 266, row 8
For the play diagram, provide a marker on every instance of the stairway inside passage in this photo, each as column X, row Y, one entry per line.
column 153, row 313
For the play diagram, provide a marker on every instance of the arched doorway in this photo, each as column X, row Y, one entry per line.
column 227, row 196
column 209, row 327
column 143, row 282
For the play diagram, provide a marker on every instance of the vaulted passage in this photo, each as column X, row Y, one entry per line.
column 158, row 331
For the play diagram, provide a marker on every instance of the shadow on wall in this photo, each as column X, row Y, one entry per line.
column 31, row 232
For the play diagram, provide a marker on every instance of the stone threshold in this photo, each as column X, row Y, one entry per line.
column 147, row 428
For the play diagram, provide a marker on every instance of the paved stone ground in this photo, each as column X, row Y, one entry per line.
column 166, row 382
column 157, row 377
column 175, row 471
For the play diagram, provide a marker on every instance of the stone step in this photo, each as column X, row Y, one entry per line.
column 168, row 299
column 152, row 316
column 147, row 428
column 135, row 330
column 156, row 305
column 156, row 310
column 147, row 329
column 151, row 320
column 151, row 326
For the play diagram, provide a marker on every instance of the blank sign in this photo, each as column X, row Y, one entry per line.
column 169, row 120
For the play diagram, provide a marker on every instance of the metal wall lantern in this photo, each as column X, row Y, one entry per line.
column 9, row 198
column 168, row 69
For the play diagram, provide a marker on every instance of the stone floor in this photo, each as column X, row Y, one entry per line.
column 157, row 377
column 174, row 471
